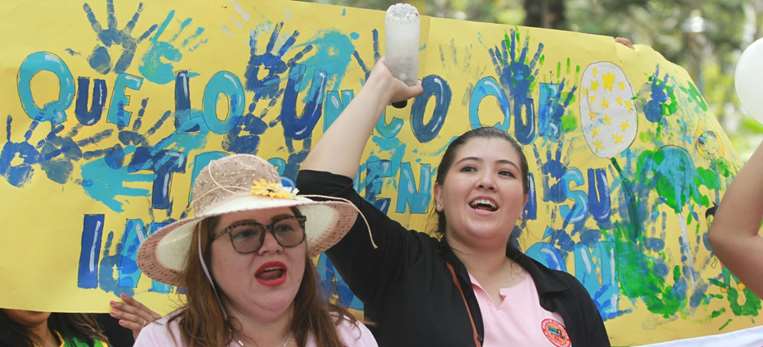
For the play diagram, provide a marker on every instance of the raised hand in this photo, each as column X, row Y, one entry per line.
column 396, row 89
column 132, row 314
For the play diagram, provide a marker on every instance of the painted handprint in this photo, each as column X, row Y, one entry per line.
column 662, row 99
column 322, row 71
column 245, row 135
column 553, row 106
column 553, row 169
column 100, row 60
column 105, row 179
column 363, row 66
column 274, row 63
column 742, row 300
column 59, row 153
column 516, row 72
column 17, row 159
column 646, row 270
column 386, row 130
column 560, row 182
column 55, row 153
column 518, row 75
column 156, row 65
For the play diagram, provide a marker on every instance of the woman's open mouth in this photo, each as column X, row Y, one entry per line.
column 271, row 274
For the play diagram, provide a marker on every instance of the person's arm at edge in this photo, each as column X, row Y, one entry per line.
column 734, row 233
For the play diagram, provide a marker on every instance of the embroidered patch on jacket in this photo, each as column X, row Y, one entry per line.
column 555, row 333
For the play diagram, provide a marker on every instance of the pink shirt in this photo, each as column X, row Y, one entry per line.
column 157, row 334
column 519, row 320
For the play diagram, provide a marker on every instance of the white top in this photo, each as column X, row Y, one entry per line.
column 159, row 334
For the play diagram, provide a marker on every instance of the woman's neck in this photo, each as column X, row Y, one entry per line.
column 44, row 336
column 480, row 262
column 489, row 265
column 265, row 332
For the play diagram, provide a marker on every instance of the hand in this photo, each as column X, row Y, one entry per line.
column 396, row 90
column 624, row 41
column 132, row 314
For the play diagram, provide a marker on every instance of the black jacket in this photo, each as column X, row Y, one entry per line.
column 409, row 293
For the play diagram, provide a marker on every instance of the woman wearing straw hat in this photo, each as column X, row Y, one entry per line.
column 472, row 288
column 243, row 259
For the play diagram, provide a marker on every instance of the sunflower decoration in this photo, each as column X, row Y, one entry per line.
column 272, row 189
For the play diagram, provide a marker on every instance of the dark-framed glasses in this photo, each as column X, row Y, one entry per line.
column 248, row 236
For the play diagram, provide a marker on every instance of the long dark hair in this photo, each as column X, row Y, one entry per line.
column 203, row 324
column 447, row 161
column 69, row 325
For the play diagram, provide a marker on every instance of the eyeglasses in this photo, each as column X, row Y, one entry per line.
column 248, row 236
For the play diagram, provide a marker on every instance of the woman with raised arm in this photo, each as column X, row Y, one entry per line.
column 735, row 233
column 470, row 288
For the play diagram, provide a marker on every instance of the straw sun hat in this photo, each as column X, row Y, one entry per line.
column 238, row 183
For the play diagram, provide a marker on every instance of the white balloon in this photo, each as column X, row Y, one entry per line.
column 748, row 80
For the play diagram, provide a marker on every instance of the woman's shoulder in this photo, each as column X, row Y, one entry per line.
column 353, row 333
column 164, row 331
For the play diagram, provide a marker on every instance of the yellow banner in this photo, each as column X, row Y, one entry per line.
column 110, row 107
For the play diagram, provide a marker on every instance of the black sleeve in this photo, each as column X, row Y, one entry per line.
column 366, row 270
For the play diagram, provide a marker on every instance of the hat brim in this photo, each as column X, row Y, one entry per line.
column 164, row 254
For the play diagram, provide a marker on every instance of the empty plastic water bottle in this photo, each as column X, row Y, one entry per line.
column 401, row 27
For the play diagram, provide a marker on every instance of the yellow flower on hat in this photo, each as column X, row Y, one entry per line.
column 265, row 188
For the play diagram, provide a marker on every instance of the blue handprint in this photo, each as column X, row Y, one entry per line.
column 104, row 182
column 153, row 66
column 17, row 158
column 518, row 76
column 662, row 101
column 515, row 72
column 131, row 138
column 552, row 107
column 553, row 170
column 58, row 154
column 245, row 135
column 386, row 130
column 55, row 154
column 100, row 60
column 377, row 55
column 104, row 179
column 268, row 86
